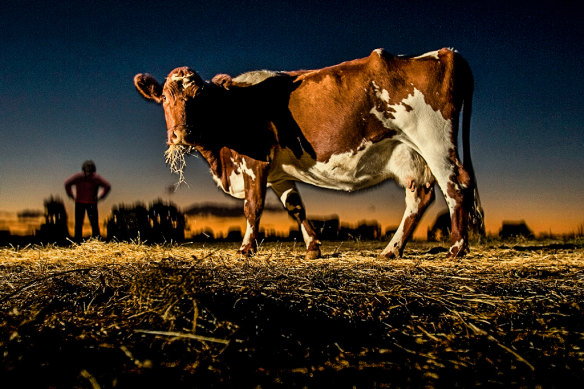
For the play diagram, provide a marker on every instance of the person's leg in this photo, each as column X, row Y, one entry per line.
column 93, row 219
column 79, row 217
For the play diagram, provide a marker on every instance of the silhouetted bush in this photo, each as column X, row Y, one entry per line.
column 159, row 223
column 54, row 230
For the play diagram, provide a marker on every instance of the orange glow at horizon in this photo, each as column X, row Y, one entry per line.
column 540, row 221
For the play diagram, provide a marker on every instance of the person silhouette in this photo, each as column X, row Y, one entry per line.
column 87, row 184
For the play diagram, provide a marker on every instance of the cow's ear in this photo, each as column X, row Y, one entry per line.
column 148, row 87
column 222, row 80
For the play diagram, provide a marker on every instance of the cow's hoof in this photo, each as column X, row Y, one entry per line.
column 390, row 254
column 312, row 254
column 246, row 253
column 457, row 250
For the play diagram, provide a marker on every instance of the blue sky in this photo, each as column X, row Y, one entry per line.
column 66, row 92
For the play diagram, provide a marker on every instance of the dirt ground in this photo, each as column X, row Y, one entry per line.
column 118, row 315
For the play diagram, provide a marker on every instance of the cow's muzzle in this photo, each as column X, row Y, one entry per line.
column 178, row 135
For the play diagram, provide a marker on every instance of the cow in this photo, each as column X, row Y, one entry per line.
column 345, row 127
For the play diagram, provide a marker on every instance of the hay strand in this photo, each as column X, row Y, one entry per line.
column 175, row 158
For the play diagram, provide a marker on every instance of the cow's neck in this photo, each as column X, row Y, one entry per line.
column 212, row 156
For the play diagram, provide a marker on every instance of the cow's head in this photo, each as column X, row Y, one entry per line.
column 177, row 97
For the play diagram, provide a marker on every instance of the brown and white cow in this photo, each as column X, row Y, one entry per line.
column 344, row 127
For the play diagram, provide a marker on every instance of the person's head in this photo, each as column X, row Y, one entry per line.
column 88, row 167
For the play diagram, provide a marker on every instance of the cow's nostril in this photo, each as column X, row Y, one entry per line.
column 175, row 137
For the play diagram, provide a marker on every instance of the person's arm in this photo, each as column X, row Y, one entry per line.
column 106, row 188
column 68, row 184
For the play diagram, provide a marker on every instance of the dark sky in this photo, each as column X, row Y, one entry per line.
column 66, row 92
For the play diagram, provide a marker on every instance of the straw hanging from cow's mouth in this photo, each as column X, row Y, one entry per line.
column 175, row 159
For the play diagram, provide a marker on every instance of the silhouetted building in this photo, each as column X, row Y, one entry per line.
column 440, row 231
column 515, row 229
column 234, row 234
column 389, row 233
column 327, row 229
column 364, row 231
column 166, row 223
column 4, row 237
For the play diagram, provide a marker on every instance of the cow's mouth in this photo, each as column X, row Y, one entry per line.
column 175, row 157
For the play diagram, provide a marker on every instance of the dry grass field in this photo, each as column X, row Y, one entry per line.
column 118, row 315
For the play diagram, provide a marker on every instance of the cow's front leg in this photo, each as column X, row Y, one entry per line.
column 290, row 198
column 418, row 197
column 255, row 194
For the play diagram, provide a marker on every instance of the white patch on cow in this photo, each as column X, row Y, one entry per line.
column 426, row 131
column 247, row 236
column 379, row 52
column 433, row 54
column 382, row 95
column 244, row 169
column 353, row 170
column 307, row 238
column 457, row 246
column 186, row 80
column 236, row 181
column 284, row 196
column 254, row 77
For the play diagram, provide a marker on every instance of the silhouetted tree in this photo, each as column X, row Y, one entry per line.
column 54, row 230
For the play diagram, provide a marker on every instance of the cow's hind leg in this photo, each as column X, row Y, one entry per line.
column 290, row 198
column 455, row 184
column 456, row 191
column 418, row 197
column 413, row 174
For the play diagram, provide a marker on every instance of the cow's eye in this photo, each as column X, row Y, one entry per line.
column 163, row 98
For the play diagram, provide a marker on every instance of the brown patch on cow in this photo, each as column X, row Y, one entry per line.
column 341, row 96
column 433, row 77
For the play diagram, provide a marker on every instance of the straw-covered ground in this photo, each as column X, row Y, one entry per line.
column 134, row 315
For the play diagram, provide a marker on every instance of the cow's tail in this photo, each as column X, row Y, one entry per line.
column 476, row 214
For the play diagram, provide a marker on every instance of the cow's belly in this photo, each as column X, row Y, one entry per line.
column 371, row 164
